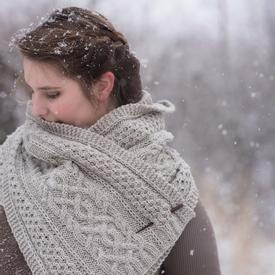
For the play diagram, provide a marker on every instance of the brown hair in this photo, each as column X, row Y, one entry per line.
column 84, row 45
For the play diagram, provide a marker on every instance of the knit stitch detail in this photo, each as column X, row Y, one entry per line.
column 78, row 199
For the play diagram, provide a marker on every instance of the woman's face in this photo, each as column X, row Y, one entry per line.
column 57, row 98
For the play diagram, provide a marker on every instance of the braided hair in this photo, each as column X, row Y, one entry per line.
column 84, row 45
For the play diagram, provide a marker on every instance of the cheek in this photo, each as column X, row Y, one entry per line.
column 61, row 110
column 68, row 110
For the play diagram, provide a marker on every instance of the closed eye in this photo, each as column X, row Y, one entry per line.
column 52, row 95
column 47, row 94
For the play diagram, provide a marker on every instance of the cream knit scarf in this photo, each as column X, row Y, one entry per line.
column 110, row 199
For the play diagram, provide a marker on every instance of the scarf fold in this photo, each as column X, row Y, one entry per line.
column 109, row 199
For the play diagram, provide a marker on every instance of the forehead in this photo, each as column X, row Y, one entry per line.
column 41, row 73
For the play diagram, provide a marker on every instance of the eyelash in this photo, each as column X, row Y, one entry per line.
column 53, row 95
column 50, row 95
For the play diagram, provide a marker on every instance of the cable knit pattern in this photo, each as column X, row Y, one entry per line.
column 110, row 199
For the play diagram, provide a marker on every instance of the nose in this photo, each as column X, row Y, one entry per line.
column 39, row 107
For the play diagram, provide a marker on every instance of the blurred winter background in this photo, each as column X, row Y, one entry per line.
column 215, row 60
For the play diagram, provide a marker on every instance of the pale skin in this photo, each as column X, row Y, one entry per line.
column 57, row 98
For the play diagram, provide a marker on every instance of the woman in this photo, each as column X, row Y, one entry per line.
column 89, row 184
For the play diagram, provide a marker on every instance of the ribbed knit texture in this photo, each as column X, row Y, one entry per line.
column 98, row 200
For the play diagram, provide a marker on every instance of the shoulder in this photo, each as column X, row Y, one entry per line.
column 8, row 149
column 11, row 258
column 12, row 138
column 196, row 250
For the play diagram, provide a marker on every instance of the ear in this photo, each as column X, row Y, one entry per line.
column 103, row 87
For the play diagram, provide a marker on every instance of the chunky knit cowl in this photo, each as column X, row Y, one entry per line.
column 109, row 199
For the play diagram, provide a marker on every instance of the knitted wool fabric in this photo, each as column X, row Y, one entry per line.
column 110, row 199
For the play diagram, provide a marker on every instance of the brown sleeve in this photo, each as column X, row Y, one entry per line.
column 195, row 253
column 11, row 259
